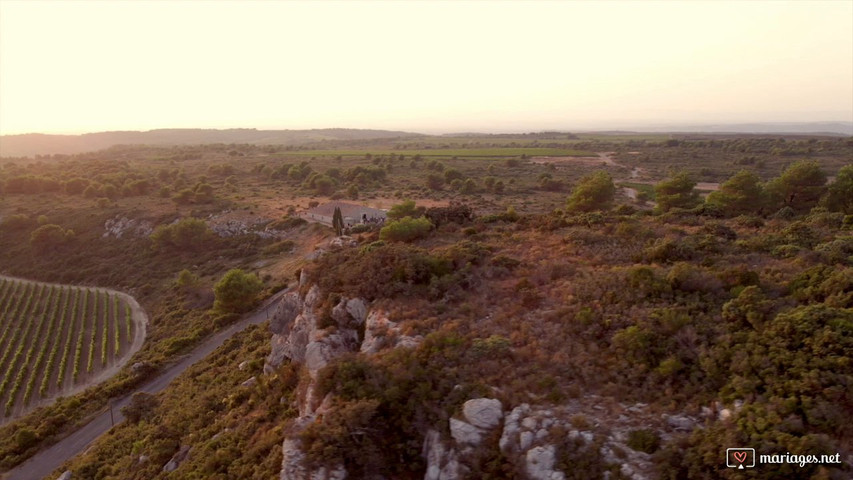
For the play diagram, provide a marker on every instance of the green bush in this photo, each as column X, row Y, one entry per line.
column 676, row 192
column 236, row 291
column 593, row 192
column 740, row 194
column 666, row 250
column 644, row 440
column 839, row 195
column 50, row 236
column 405, row 209
column 187, row 234
column 407, row 229
column 800, row 187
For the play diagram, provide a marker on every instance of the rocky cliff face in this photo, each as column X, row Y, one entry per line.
column 529, row 435
column 303, row 334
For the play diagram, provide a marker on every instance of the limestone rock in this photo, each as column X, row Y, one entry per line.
column 483, row 412
column 680, row 422
column 177, row 459
column 319, row 353
column 539, row 464
column 344, row 241
column 380, row 332
column 357, row 309
column 140, row 368
column 442, row 462
column 121, row 226
column 285, row 313
column 243, row 365
column 293, row 465
column 251, row 382
column 509, row 436
column 525, row 440
column 277, row 354
column 464, row 433
column 66, row 475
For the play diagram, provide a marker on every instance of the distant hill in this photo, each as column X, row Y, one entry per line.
column 776, row 128
column 40, row 144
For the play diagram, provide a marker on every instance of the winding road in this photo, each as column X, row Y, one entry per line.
column 46, row 461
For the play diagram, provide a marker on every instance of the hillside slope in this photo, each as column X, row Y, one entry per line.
column 41, row 144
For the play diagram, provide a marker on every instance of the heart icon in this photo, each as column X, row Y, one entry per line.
column 740, row 456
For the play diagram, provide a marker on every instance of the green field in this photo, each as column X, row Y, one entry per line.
column 450, row 152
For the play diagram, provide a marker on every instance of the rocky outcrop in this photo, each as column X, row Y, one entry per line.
column 380, row 332
column 485, row 413
column 539, row 464
column 229, row 224
column 449, row 461
column 303, row 334
column 344, row 241
column 177, row 459
column 66, row 475
column 442, row 461
column 122, row 226
column 299, row 337
column 293, row 465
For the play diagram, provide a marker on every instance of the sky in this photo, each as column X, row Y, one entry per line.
column 74, row 67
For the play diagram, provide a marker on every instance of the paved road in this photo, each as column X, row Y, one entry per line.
column 45, row 462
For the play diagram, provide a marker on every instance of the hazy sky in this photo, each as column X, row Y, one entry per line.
column 72, row 67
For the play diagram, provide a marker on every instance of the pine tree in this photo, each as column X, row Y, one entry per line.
column 338, row 222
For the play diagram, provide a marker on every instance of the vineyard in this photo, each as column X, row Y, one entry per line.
column 55, row 339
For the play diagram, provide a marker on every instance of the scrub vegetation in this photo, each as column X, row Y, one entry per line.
column 680, row 272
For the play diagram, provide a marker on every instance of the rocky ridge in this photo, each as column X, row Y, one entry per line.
column 303, row 334
column 308, row 332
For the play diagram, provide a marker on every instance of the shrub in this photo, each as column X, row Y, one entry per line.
column 141, row 407
column 18, row 221
column 455, row 212
column 689, row 278
column 593, row 192
column 677, row 191
column 800, row 187
column 740, row 194
column 509, row 215
column 186, row 279
column 839, row 195
column 380, row 271
column 187, row 234
column 665, row 250
column 50, row 236
column 406, row 209
column 236, row 291
column 644, row 440
column 435, row 181
column 283, row 246
column 287, row 223
column 407, row 229
column 839, row 250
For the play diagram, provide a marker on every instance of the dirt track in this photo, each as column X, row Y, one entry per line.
column 606, row 158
